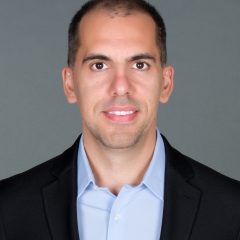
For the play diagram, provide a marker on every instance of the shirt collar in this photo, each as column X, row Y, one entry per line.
column 84, row 171
column 153, row 178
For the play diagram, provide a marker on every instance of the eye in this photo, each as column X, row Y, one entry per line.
column 141, row 66
column 98, row 66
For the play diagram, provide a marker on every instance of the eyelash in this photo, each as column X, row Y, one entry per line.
column 93, row 66
column 147, row 65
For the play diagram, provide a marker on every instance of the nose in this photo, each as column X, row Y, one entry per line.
column 121, row 84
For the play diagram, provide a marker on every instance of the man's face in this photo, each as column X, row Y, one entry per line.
column 117, row 79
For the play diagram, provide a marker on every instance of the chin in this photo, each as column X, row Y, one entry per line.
column 120, row 140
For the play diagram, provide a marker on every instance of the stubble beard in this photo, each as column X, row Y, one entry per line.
column 118, row 138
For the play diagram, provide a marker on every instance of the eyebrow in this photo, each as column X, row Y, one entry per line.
column 95, row 57
column 131, row 59
column 141, row 57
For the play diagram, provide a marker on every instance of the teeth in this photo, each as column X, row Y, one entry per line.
column 121, row 113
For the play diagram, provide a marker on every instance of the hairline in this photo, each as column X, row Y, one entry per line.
column 120, row 11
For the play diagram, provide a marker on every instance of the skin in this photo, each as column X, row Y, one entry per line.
column 118, row 71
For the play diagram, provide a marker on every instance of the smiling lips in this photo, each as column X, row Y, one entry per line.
column 120, row 115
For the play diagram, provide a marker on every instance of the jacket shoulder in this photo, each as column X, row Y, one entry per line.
column 39, row 175
column 213, row 184
column 203, row 177
column 213, row 181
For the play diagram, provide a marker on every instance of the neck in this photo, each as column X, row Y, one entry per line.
column 112, row 168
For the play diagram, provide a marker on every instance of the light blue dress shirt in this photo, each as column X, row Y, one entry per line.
column 135, row 213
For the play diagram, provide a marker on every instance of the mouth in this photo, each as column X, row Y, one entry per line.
column 121, row 115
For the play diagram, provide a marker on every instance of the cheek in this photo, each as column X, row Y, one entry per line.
column 91, row 94
column 149, row 86
column 152, row 95
column 93, row 82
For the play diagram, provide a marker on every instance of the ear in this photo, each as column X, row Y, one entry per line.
column 68, row 85
column 167, row 84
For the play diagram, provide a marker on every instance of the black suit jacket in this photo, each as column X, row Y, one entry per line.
column 199, row 203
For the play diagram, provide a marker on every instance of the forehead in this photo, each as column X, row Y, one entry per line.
column 102, row 26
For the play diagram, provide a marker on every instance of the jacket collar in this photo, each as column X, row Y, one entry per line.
column 181, row 199
column 60, row 196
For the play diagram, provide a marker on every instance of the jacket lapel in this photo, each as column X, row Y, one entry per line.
column 60, row 197
column 181, row 199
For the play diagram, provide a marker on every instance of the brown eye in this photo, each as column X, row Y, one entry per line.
column 98, row 66
column 141, row 66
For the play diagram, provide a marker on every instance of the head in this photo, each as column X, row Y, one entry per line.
column 117, row 71
column 115, row 7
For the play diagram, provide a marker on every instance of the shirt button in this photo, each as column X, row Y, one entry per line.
column 117, row 217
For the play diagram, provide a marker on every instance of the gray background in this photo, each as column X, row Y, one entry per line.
column 201, row 120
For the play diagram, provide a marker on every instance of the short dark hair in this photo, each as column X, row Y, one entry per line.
column 116, row 6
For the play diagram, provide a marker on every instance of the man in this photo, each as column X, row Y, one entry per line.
column 121, row 179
